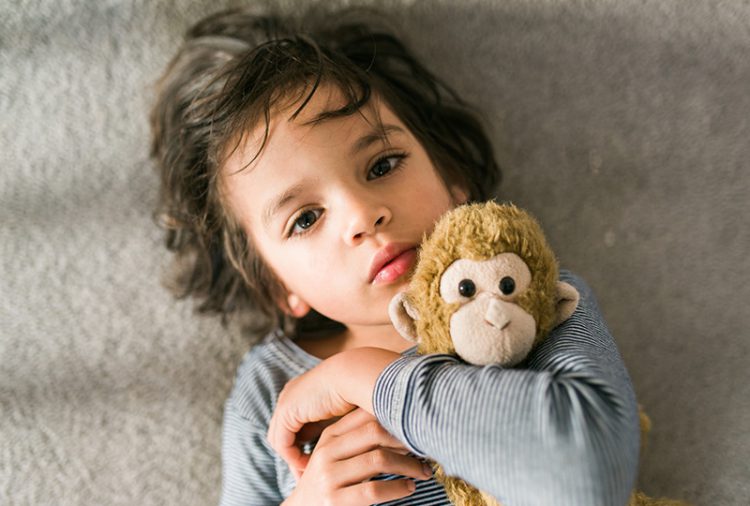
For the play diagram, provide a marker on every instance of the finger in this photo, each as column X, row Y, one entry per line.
column 297, row 454
column 311, row 431
column 366, row 437
column 282, row 433
column 282, row 437
column 299, row 466
column 380, row 461
column 309, row 435
column 298, row 457
column 293, row 456
column 343, row 425
column 377, row 491
column 349, row 421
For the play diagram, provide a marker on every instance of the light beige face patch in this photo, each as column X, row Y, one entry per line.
column 486, row 275
column 489, row 327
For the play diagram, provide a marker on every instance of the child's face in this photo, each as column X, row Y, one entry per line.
column 326, row 204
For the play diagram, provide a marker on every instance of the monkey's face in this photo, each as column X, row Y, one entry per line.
column 486, row 287
column 489, row 325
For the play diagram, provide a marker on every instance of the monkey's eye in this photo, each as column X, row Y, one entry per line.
column 467, row 288
column 507, row 285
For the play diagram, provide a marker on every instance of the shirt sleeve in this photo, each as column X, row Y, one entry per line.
column 562, row 430
column 249, row 475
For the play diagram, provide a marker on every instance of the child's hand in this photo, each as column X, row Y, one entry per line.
column 331, row 389
column 349, row 452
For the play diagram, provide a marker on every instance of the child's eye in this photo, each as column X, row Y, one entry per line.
column 304, row 221
column 385, row 165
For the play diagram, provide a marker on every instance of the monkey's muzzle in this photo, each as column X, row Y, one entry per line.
column 490, row 330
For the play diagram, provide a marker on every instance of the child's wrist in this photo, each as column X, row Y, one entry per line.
column 359, row 370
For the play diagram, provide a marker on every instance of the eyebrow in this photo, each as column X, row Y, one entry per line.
column 277, row 203
column 376, row 135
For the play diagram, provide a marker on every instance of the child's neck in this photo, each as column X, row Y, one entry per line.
column 379, row 336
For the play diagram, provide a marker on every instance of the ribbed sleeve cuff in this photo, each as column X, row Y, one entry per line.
column 391, row 397
column 397, row 388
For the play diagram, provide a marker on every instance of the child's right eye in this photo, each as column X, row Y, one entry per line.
column 304, row 221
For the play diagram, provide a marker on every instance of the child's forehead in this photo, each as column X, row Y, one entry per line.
column 297, row 114
column 310, row 108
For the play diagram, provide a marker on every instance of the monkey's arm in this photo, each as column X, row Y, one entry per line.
column 563, row 431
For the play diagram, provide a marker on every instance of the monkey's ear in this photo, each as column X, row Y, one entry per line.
column 403, row 315
column 567, row 301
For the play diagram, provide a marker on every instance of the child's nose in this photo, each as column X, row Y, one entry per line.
column 365, row 220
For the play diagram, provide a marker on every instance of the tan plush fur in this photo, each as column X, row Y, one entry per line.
column 641, row 499
column 479, row 232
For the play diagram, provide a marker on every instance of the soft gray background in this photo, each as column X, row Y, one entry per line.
column 623, row 124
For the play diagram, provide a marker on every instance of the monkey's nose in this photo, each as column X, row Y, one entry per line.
column 496, row 315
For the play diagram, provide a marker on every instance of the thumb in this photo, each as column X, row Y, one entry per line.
column 299, row 468
column 281, row 437
column 285, row 421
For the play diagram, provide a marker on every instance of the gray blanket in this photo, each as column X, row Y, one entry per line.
column 622, row 124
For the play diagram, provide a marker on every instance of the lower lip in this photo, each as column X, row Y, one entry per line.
column 395, row 268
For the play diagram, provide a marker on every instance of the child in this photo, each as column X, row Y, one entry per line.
column 301, row 167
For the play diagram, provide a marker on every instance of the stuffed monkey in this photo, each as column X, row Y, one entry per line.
column 490, row 284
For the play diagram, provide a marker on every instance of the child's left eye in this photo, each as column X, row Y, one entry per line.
column 385, row 165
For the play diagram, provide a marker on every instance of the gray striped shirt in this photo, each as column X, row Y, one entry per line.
column 561, row 429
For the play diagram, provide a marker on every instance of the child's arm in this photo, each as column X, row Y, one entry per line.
column 348, row 453
column 332, row 388
column 563, row 431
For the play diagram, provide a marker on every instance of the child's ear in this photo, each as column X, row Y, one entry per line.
column 459, row 194
column 295, row 306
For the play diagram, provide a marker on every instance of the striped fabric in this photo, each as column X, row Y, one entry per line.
column 561, row 430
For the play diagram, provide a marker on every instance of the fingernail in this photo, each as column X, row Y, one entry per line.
column 411, row 485
column 427, row 470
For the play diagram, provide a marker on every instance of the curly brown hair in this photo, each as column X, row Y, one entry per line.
column 226, row 78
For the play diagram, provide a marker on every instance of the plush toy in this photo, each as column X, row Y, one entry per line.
column 489, row 284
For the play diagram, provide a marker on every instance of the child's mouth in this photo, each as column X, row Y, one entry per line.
column 394, row 269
